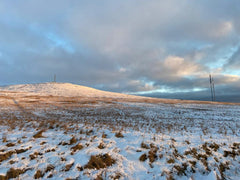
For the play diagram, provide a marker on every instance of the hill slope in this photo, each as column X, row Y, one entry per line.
column 73, row 90
column 62, row 89
column 117, row 137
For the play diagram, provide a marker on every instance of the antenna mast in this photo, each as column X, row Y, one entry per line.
column 214, row 98
column 212, row 88
column 54, row 80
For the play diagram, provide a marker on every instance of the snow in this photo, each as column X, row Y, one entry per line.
column 62, row 89
column 187, row 132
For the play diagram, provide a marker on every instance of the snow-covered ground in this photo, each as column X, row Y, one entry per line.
column 65, row 131
column 61, row 89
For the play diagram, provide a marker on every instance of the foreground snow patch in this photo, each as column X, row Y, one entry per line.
column 54, row 154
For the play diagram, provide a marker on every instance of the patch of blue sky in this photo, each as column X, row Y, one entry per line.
column 223, row 57
column 10, row 21
column 189, row 45
column 197, row 45
column 232, row 72
column 54, row 39
column 5, row 55
column 168, row 90
column 6, row 59
column 60, row 42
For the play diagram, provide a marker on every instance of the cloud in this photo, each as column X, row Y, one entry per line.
column 124, row 46
column 179, row 67
column 234, row 60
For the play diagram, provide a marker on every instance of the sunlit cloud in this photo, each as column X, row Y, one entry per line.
column 180, row 67
column 123, row 46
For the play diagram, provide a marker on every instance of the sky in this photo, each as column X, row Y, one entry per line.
column 159, row 48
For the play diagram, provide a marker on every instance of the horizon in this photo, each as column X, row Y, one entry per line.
column 179, row 96
column 148, row 48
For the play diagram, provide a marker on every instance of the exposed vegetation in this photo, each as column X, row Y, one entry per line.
column 100, row 161
column 147, row 135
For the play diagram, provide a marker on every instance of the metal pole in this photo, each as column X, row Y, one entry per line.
column 210, row 78
column 214, row 98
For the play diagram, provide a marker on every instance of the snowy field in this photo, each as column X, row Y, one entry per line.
column 64, row 131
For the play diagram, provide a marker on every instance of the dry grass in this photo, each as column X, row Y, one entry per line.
column 232, row 153
column 85, row 111
column 101, row 145
column 50, row 167
column 19, row 151
column 143, row 157
column 10, row 144
column 181, row 169
column 119, row 135
column 77, row 147
column 100, row 161
column 50, row 150
column 68, row 167
column 39, row 134
column 12, row 173
column 39, row 174
column 35, row 155
column 43, row 142
column 152, row 154
column 222, row 168
column 6, row 155
column 73, row 140
column 116, row 176
column 145, row 146
column 104, row 135
column 171, row 161
column 4, row 139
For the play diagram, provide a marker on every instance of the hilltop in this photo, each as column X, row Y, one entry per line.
column 73, row 90
column 62, row 89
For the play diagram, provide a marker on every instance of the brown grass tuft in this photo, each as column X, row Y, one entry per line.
column 73, row 140
column 214, row 146
column 38, row 174
column 171, row 161
column 119, row 135
column 145, row 146
column 50, row 167
column 232, row 153
column 34, row 155
column 101, row 145
column 222, row 168
column 181, row 169
column 4, row 139
column 152, row 155
column 104, row 135
column 19, row 151
column 6, row 155
column 143, row 157
column 43, row 142
column 100, row 161
column 39, row 134
column 68, row 167
column 116, row 176
column 77, row 147
column 10, row 144
column 13, row 173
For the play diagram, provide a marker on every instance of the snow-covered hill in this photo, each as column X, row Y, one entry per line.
column 118, row 137
column 62, row 89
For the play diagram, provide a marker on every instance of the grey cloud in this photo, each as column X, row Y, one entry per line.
column 234, row 61
column 120, row 45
